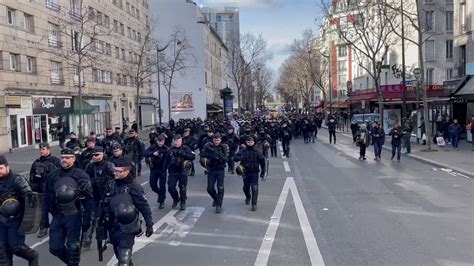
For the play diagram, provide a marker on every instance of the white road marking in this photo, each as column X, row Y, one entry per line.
column 287, row 166
column 44, row 240
column 144, row 183
column 179, row 224
column 311, row 243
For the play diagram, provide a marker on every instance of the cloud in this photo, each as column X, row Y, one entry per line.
column 280, row 48
column 244, row 3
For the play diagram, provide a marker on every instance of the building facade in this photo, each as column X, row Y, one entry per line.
column 48, row 64
column 201, row 82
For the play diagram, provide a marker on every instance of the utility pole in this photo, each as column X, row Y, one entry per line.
column 158, row 51
column 404, row 104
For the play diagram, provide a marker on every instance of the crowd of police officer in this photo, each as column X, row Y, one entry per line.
column 91, row 188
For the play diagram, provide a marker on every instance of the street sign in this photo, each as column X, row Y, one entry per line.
column 417, row 73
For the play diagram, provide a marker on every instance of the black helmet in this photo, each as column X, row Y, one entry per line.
column 125, row 213
column 10, row 208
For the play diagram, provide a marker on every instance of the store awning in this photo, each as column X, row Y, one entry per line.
column 214, row 108
column 467, row 90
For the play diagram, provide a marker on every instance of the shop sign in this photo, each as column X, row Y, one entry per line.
column 52, row 105
column 12, row 101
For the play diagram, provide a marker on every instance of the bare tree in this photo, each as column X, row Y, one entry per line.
column 142, row 66
column 263, row 78
column 363, row 26
column 243, row 58
column 286, row 84
column 417, row 33
column 81, row 25
column 177, row 62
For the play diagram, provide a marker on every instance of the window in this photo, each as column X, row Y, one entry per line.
column 122, row 29
column 429, row 20
column 449, row 49
column 139, row 37
column 449, row 21
column 1, row 60
column 130, row 57
column 12, row 17
column 30, row 64
column 125, row 81
column 108, row 49
column 106, row 21
column 124, row 55
column 205, row 77
column 116, row 26
column 342, row 50
column 119, row 79
column 342, row 65
column 53, row 35
column 56, row 72
column 15, row 62
column 429, row 50
column 75, row 41
column 75, row 9
column 462, row 17
column 95, row 75
column 129, row 30
column 117, row 52
column 449, row 73
column 429, row 76
column 99, row 18
column 28, row 22
column 53, row 4
column 78, row 76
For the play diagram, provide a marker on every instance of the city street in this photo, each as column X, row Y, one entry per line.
column 321, row 206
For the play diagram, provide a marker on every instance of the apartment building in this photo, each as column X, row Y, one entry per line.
column 52, row 70
column 195, row 91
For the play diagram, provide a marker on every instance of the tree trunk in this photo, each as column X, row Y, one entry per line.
column 137, row 108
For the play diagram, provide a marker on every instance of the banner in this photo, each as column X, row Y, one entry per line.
column 181, row 101
column 390, row 118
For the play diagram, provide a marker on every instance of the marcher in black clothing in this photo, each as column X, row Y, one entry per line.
column 397, row 136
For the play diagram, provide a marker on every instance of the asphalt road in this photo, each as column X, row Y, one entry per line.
column 321, row 206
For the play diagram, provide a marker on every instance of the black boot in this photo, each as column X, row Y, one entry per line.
column 25, row 252
column 124, row 256
column 161, row 205
column 247, row 197
column 61, row 254
column 254, row 197
column 87, row 237
column 220, row 199
column 42, row 232
column 5, row 257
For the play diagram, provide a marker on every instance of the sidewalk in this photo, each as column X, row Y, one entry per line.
column 446, row 158
column 20, row 161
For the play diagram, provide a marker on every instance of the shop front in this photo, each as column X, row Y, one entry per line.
column 96, row 115
column 50, row 113
column 20, row 115
column 463, row 101
column 148, row 111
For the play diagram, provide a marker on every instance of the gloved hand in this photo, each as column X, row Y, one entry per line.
column 149, row 231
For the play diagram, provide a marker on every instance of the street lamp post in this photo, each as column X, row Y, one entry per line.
column 158, row 51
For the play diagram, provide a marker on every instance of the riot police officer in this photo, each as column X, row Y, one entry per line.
column 154, row 155
column 125, row 200
column 13, row 190
column 100, row 172
column 274, row 134
column 232, row 140
column 214, row 157
column 68, row 197
column 190, row 141
column 250, row 160
column 119, row 153
column 109, row 141
column 86, row 155
column 285, row 136
column 175, row 160
column 206, row 138
column 134, row 148
column 40, row 169
column 73, row 142
column 263, row 142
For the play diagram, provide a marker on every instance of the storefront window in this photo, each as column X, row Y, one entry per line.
column 57, row 122
column 14, row 131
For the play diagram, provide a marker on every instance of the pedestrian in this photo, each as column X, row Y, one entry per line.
column 354, row 129
column 363, row 140
column 455, row 130
column 397, row 135
column 214, row 157
column 40, row 169
column 61, row 137
column 332, row 124
column 68, row 198
column 126, row 200
column 378, row 139
column 154, row 155
column 13, row 189
column 252, row 162
column 407, row 128
column 175, row 159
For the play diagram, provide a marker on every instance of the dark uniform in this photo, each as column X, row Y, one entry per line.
column 125, row 199
column 68, row 197
column 285, row 136
column 274, row 134
column 13, row 189
column 154, row 155
column 40, row 169
column 99, row 173
column 192, row 143
column 251, row 159
column 86, row 155
column 214, row 157
column 233, row 141
column 397, row 136
column 332, row 124
column 174, row 163
column 134, row 148
column 114, row 158
column 108, row 143
column 73, row 142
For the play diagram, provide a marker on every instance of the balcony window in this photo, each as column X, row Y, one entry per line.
column 30, row 64
column 449, row 49
column 462, row 17
column 53, row 35
column 429, row 50
column 75, row 9
column 12, row 18
column 429, row 20
column 449, row 21
column 56, row 73
column 429, row 76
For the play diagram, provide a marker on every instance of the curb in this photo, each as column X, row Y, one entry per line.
column 469, row 174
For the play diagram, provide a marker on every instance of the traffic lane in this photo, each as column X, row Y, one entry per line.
column 371, row 212
column 232, row 237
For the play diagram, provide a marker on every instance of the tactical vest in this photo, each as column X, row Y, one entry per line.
column 42, row 169
column 66, row 192
column 123, row 211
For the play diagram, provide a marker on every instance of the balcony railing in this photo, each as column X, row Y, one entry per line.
column 55, row 43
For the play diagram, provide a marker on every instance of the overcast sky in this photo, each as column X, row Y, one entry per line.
column 280, row 21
